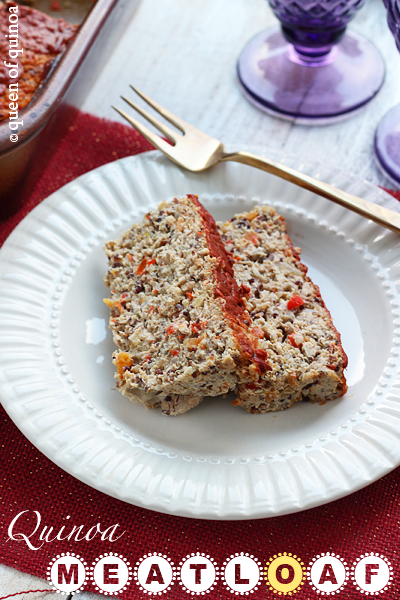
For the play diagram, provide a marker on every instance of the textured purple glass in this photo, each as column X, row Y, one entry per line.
column 387, row 136
column 310, row 69
column 393, row 18
column 311, row 24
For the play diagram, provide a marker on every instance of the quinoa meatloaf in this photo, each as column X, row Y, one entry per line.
column 177, row 314
column 293, row 324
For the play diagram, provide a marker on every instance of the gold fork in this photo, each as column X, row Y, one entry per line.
column 197, row 151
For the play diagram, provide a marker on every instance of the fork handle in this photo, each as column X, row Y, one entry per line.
column 383, row 216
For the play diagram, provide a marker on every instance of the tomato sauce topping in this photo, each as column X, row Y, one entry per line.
column 228, row 289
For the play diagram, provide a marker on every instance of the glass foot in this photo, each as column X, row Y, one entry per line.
column 274, row 77
column 387, row 145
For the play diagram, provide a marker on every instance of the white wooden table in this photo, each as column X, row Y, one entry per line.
column 183, row 54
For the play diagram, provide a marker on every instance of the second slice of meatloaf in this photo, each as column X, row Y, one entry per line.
column 293, row 323
column 177, row 314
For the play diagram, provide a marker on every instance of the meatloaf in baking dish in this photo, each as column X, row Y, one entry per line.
column 30, row 41
column 293, row 324
column 177, row 313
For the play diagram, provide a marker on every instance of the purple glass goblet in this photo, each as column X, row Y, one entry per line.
column 387, row 136
column 309, row 68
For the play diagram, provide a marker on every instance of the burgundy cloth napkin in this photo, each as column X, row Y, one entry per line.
column 366, row 521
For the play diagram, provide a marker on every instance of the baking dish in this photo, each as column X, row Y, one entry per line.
column 48, row 116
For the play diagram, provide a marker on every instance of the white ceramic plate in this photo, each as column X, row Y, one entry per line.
column 216, row 461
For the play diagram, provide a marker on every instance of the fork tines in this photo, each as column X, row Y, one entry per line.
column 153, row 138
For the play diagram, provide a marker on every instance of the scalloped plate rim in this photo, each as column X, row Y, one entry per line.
column 18, row 234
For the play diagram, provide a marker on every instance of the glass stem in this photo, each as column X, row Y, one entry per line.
column 311, row 57
column 313, row 48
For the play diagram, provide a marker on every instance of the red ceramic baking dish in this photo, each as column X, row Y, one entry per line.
column 48, row 115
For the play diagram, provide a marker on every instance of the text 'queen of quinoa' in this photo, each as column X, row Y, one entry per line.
column 12, row 68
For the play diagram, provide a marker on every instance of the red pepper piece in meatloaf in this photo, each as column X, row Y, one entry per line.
column 177, row 314
column 294, row 326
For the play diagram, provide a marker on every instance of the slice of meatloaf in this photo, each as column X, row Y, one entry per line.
column 294, row 326
column 177, row 314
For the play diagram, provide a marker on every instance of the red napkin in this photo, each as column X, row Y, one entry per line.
column 366, row 521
